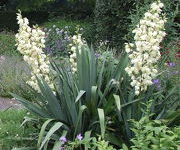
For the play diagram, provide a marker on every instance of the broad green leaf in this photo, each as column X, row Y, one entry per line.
column 81, row 93
column 32, row 107
column 50, row 133
column 118, row 102
column 42, row 132
column 102, row 121
column 57, row 145
column 52, row 102
column 121, row 66
column 112, row 138
column 79, row 120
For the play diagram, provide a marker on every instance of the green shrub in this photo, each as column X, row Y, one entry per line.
column 75, row 107
column 89, row 143
column 88, row 31
column 72, row 9
column 7, row 44
column 85, row 101
column 154, row 135
column 25, row 5
column 111, row 21
column 8, row 19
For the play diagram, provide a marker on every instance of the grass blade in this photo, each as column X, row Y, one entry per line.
column 50, row 133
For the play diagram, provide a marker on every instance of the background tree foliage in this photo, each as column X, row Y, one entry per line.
column 25, row 5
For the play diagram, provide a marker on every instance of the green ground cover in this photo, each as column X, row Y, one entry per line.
column 12, row 134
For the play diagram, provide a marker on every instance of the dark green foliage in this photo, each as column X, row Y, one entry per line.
column 111, row 20
column 25, row 5
column 9, row 22
column 72, row 9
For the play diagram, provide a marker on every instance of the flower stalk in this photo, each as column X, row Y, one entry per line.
column 144, row 52
column 30, row 43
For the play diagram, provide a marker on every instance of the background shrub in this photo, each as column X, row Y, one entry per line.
column 72, row 9
column 9, row 22
column 7, row 44
column 87, row 27
column 111, row 20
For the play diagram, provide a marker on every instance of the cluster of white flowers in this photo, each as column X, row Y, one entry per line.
column 30, row 43
column 144, row 52
column 77, row 43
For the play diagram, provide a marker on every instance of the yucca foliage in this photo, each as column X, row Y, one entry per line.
column 78, row 95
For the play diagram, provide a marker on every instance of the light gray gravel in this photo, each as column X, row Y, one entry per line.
column 6, row 103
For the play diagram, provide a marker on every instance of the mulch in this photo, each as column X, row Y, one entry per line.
column 6, row 103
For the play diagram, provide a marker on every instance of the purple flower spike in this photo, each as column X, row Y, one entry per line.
column 63, row 139
column 97, row 55
column 155, row 81
column 61, row 148
column 176, row 72
column 79, row 137
column 171, row 64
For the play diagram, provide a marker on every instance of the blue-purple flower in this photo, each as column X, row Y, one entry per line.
column 79, row 137
column 156, row 81
column 176, row 72
column 61, row 148
column 63, row 139
column 97, row 55
column 171, row 64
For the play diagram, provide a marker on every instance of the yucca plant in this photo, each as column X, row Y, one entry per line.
column 78, row 96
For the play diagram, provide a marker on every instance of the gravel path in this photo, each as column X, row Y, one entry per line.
column 6, row 103
column 18, row 66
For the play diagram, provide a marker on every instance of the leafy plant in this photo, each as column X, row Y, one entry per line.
column 154, row 135
column 90, row 143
